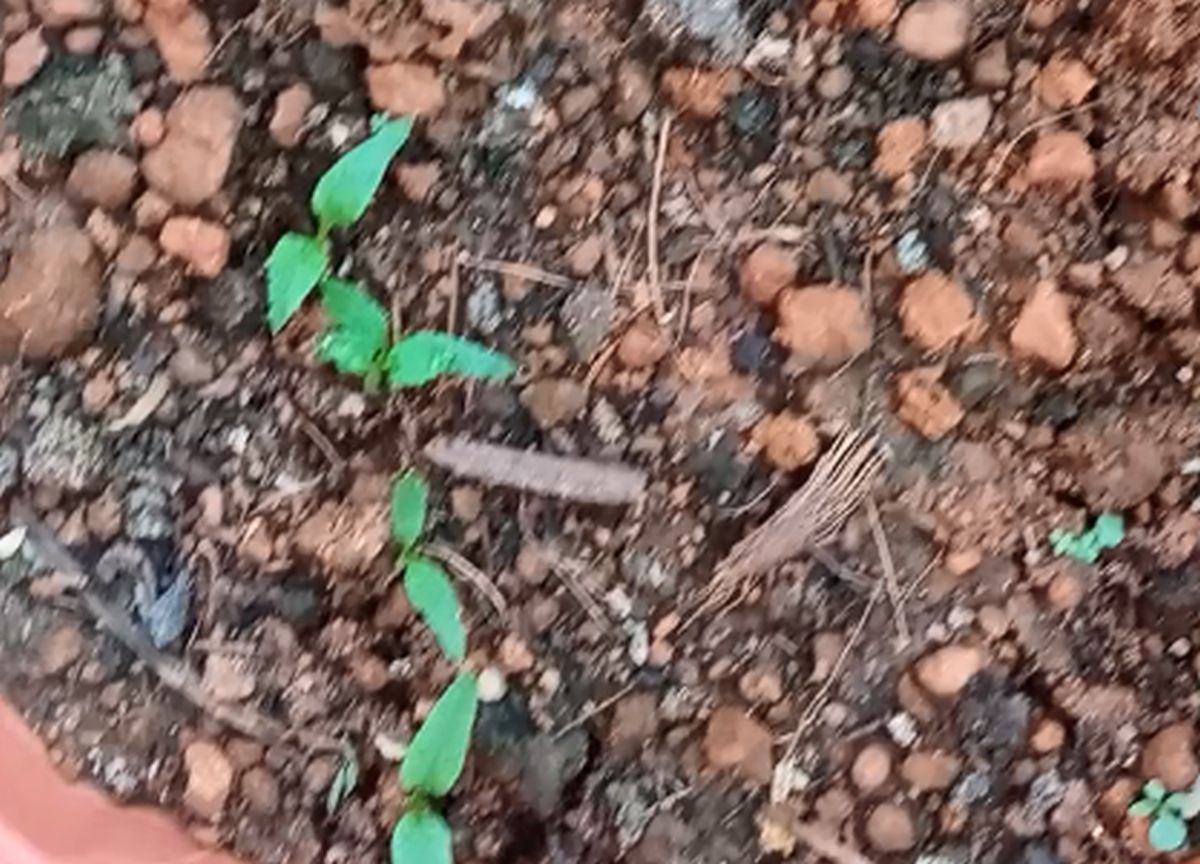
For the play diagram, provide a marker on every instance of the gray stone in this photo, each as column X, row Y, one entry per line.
column 718, row 22
column 74, row 103
column 483, row 307
column 587, row 315
column 550, row 763
column 10, row 468
column 66, row 451
column 148, row 513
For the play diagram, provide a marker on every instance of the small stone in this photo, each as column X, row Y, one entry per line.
column 633, row 88
column 1048, row 736
column 826, row 324
column 492, row 685
column 834, row 82
column 515, row 655
column 635, row 721
column 733, row 739
column 50, row 299
column 60, row 648
column 227, row 678
column 369, row 671
column 897, row 147
column 24, row 57
column 1170, row 755
column 1154, row 286
column 584, row 256
column 930, row 771
column 406, row 88
column 183, row 38
column 203, row 245
column 926, row 404
column 577, row 103
column 209, row 779
column 137, row 256
column 1061, row 158
column 959, row 124
column 890, row 828
column 788, row 440
column 946, row 671
column 766, row 271
column 872, row 767
column 83, row 40
column 103, row 177
column 291, row 110
column 149, row 127
column 934, row 29
column 190, row 164
column 989, row 67
column 260, row 790
column 642, row 345
column 418, row 179
column 762, row 685
column 554, row 401
column 935, row 311
column 64, row 13
column 466, row 503
column 829, row 187
column 1064, row 82
column 587, row 316
column 104, row 231
column 1044, row 330
column 699, row 92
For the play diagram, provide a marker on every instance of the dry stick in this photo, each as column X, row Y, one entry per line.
column 455, row 288
column 596, row 709
column 173, row 673
column 660, row 309
column 519, row 270
column 990, row 180
column 468, row 572
column 889, row 570
column 821, row 840
column 595, row 611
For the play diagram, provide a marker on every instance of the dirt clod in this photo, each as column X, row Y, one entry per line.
column 633, row 88
column 930, row 770
column 406, row 88
column 1154, row 286
column 24, row 57
column 635, row 721
column 898, row 146
column 766, row 271
column 935, row 311
column 1064, row 82
column 103, row 177
column 700, row 92
column 203, row 245
column 554, row 401
column 926, row 404
column 872, row 767
column 934, row 29
column 734, row 739
column 642, row 345
column 788, row 440
column 291, row 109
column 190, row 164
column 946, row 671
column 1061, row 158
column 60, row 648
column 959, row 124
column 1170, row 756
column 823, row 323
column 209, row 779
column 183, row 37
column 1043, row 330
column 890, row 828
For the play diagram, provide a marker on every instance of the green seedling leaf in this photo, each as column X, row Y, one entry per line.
column 1186, row 803
column 1107, row 532
column 420, row 357
column 1143, row 807
column 431, row 593
column 1167, row 832
column 1154, row 790
column 344, row 781
column 358, row 331
column 421, row 837
column 294, row 268
column 344, row 191
column 437, row 752
column 410, row 502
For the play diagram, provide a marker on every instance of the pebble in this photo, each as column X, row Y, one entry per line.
column 554, row 401
column 417, row 179
column 203, row 245
column 149, row 127
column 699, row 92
column 1170, row 755
column 935, row 311
column 633, row 88
column 60, row 648
column 209, row 778
column 989, row 67
column 946, row 671
column 642, row 345
column 825, row 324
column 871, row 768
column 735, row 740
column 577, row 103
column 930, row 771
column 514, row 654
column 635, row 721
column 24, row 57
column 925, row 404
column 829, row 187
column 584, row 256
column 1064, row 82
column 890, row 828
column 183, row 37
column 483, row 307
column 934, row 29
column 492, row 685
column 291, row 110
column 1043, row 330
column 103, row 177
column 766, row 271
column 1048, row 736
column 874, row 14
column 788, row 440
column 63, row 13
column 898, row 146
column 1156, row 287
column 227, row 678
column 834, row 82
column 190, row 164
column 260, row 790
column 50, row 299
column 959, row 124
column 83, row 40
column 406, row 88
column 137, row 255
column 587, row 315
column 1061, row 158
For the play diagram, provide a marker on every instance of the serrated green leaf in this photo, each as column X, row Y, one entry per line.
column 431, row 593
column 344, row 781
column 421, row 356
column 438, row 751
column 294, row 268
column 1154, row 790
column 410, row 503
column 358, row 325
column 1142, row 807
column 346, row 189
column 421, row 837
column 1167, row 832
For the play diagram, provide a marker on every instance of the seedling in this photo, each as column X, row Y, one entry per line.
column 1106, row 532
column 1168, row 814
column 435, row 756
column 357, row 341
column 344, row 781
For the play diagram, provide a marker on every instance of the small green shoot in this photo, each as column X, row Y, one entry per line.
column 344, row 781
column 410, row 503
column 438, row 751
column 294, row 268
column 1106, row 532
column 424, row 355
column 421, row 837
column 1168, row 814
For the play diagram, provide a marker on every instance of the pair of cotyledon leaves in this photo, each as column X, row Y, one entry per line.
column 1168, row 813
column 436, row 754
column 357, row 340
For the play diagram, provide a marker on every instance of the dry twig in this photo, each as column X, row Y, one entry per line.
column 990, row 180
column 599, row 708
column 652, row 223
column 519, row 270
column 468, row 572
column 890, row 581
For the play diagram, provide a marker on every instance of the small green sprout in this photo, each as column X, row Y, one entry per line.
column 436, row 755
column 344, row 781
column 357, row 341
column 1168, row 814
column 1106, row 532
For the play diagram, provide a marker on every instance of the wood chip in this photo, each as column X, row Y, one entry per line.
column 585, row 480
column 146, row 404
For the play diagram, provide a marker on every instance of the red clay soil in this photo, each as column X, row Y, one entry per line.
column 46, row 820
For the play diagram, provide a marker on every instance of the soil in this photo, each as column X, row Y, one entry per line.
column 716, row 236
